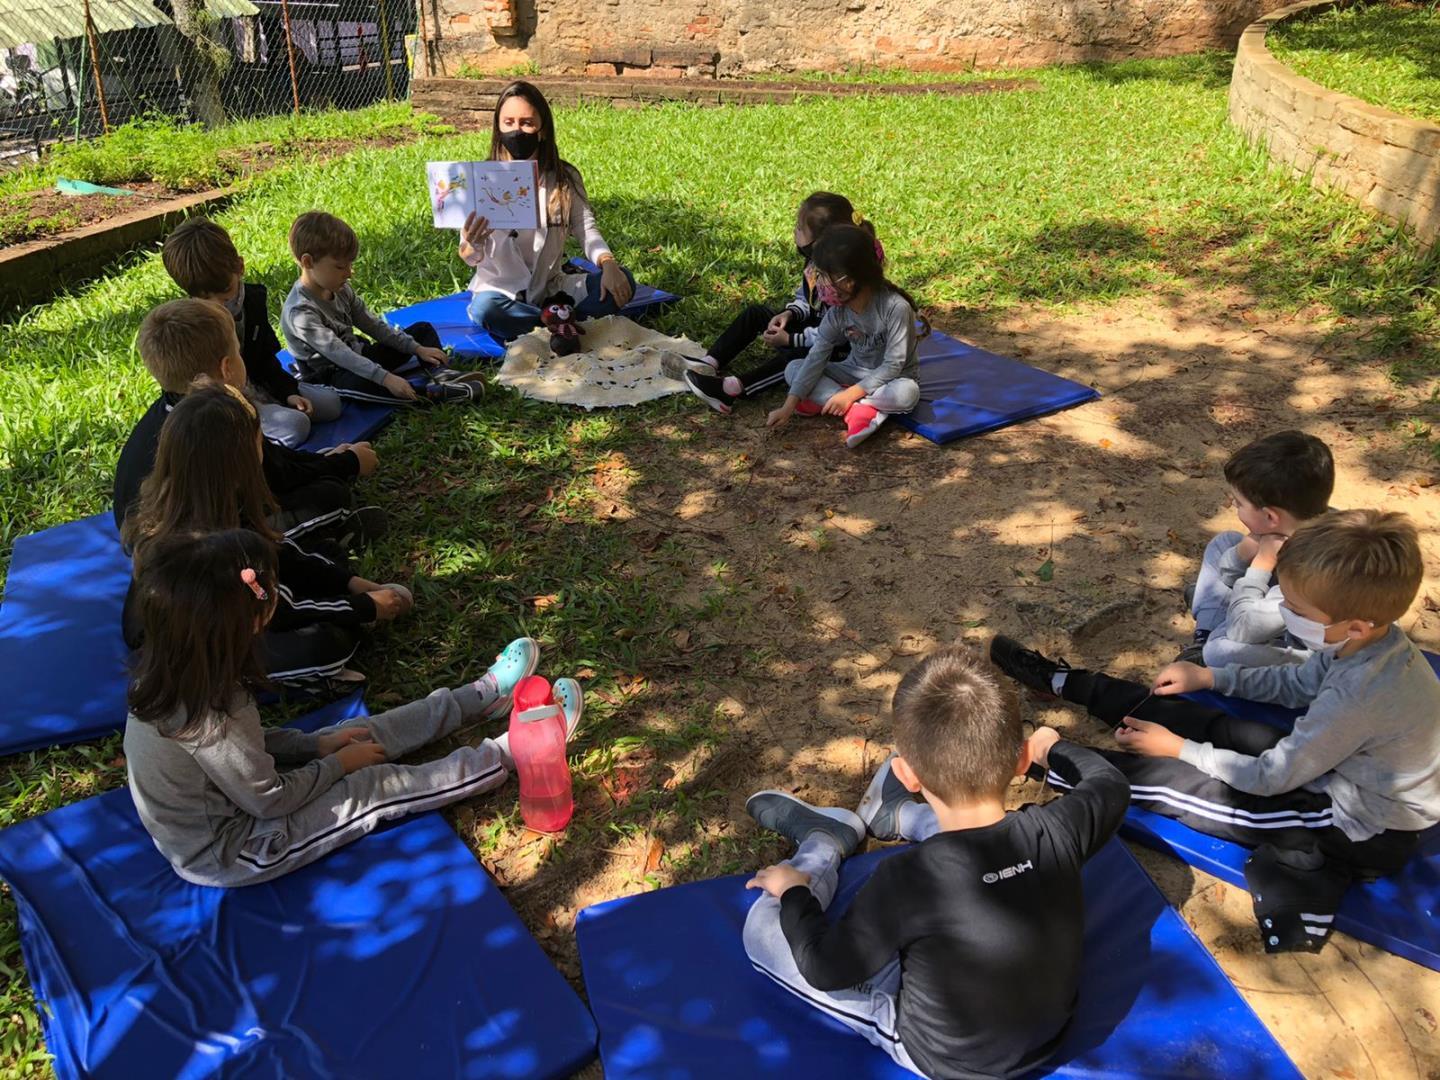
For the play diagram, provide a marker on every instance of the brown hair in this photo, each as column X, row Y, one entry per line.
column 559, row 175
column 1288, row 470
column 957, row 725
column 207, row 473
column 850, row 251
column 821, row 209
column 1355, row 564
column 201, row 258
column 318, row 234
column 183, row 339
column 202, row 627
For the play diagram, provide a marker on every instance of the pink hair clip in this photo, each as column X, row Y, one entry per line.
column 249, row 577
column 879, row 251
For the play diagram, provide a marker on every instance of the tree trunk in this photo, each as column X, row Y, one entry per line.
column 202, row 60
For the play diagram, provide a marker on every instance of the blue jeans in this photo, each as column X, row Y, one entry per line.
column 507, row 318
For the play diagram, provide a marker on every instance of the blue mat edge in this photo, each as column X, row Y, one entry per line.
column 1168, row 912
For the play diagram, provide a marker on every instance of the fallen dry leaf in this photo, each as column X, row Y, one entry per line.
column 652, row 856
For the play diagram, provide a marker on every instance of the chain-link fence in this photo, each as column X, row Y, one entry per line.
column 74, row 68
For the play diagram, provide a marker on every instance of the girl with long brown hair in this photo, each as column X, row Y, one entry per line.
column 230, row 802
column 208, row 477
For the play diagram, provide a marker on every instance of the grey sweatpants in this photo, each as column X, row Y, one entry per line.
column 895, row 396
column 291, row 427
column 360, row 801
column 868, row 1009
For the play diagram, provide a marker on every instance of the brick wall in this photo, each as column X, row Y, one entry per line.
column 1387, row 162
column 675, row 38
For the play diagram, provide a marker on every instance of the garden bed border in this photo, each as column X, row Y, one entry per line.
column 1387, row 162
column 36, row 270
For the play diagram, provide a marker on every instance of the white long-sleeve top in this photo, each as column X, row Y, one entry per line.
column 525, row 263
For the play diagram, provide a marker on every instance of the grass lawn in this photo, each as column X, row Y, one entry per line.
column 1108, row 182
column 1385, row 53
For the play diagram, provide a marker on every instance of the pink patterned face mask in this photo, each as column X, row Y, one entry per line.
column 833, row 297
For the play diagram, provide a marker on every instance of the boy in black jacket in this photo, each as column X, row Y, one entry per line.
column 960, row 957
column 201, row 258
column 184, row 339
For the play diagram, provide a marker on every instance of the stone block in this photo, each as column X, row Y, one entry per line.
column 655, row 71
column 1413, row 134
column 628, row 55
column 1363, row 118
column 603, row 70
column 685, row 55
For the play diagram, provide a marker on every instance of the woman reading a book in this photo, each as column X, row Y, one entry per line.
column 517, row 272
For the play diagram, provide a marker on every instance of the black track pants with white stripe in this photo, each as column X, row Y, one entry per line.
column 349, row 385
column 1302, row 863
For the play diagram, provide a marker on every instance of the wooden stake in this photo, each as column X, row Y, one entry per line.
column 93, row 39
column 290, row 49
column 385, row 49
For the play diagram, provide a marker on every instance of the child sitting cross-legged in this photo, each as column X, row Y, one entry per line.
column 208, row 478
column 182, row 340
column 1340, row 798
column 322, row 312
column 876, row 318
column 936, row 960
column 201, row 258
column 231, row 802
column 1276, row 483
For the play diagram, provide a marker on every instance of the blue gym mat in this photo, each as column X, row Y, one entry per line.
column 1396, row 913
column 62, row 659
column 358, row 421
column 967, row 391
column 396, row 956
column 675, row 996
column 448, row 315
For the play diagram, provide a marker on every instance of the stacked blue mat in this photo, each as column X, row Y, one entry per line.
column 397, row 956
column 967, row 391
column 1396, row 913
column 675, row 996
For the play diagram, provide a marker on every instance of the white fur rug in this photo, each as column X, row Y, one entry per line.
column 620, row 365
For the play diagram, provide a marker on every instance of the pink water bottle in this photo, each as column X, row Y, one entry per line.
column 537, row 743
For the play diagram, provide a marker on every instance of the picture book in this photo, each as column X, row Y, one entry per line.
column 506, row 193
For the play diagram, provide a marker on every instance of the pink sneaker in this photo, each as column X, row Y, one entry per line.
column 807, row 408
column 861, row 421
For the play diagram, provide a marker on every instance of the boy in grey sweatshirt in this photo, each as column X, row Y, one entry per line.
column 321, row 313
column 1341, row 797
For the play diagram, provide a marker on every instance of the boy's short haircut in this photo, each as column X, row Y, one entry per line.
column 183, row 339
column 201, row 258
column 957, row 725
column 1288, row 470
column 318, row 234
column 1355, row 564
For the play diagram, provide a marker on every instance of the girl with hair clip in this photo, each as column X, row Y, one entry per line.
column 229, row 802
column 208, row 477
column 876, row 318
column 790, row 331
column 518, row 272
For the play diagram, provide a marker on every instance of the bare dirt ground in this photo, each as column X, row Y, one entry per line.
column 1076, row 532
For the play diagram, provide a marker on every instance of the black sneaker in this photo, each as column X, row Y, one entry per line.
column 461, row 393
column 1194, row 653
column 709, row 389
column 1026, row 666
column 781, row 812
column 362, row 527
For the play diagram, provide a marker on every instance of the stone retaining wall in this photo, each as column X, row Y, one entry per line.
column 468, row 103
column 1387, row 162
column 671, row 38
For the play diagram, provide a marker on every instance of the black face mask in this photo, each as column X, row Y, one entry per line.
column 806, row 250
column 521, row 144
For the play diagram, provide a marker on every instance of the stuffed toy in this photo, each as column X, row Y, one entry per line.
column 557, row 315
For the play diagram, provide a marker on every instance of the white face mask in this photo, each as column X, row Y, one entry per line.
column 236, row 304
column 1312, row 633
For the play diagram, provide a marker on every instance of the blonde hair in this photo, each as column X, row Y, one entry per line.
column 1355, row 564
column 318, row 234
column 957, row 725
column 183, row 339
column 200, row 257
